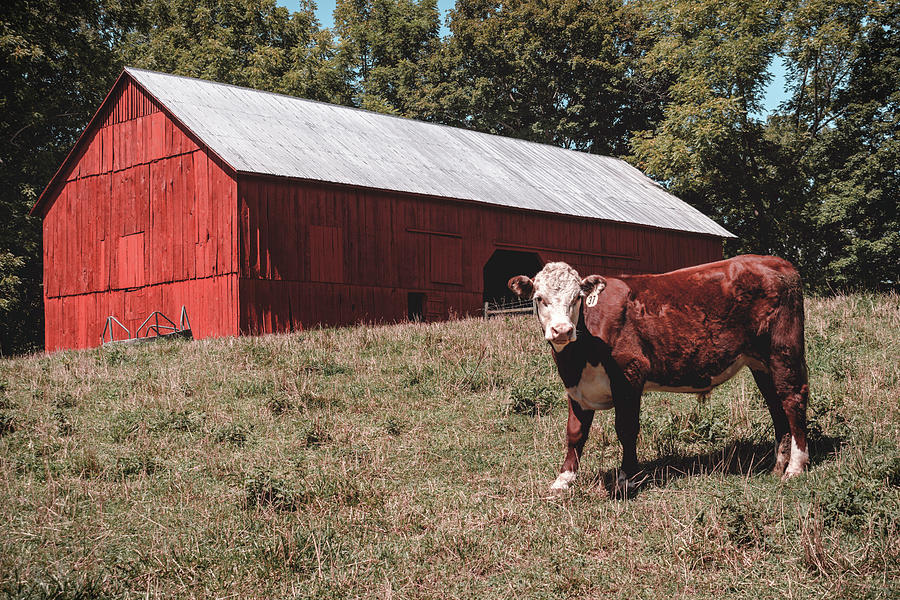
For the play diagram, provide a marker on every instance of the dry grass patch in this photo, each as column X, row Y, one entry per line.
column 413, row 461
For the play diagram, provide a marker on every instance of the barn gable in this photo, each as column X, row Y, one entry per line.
column 118, row 233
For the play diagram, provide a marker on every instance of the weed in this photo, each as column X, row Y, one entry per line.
column 533, row 399
column 112, row 356
column 7, row 425
column 252, row 388
column 316, row 434
column 279, row 404
column 137, row 463
column 64, row 399
column 125, row 424
column 265, row 491
column 327, row 368
column 394, row 426
column 740, row 521
column 234, row 433
column 184, row 420
column 64, row 425
column 418, row 377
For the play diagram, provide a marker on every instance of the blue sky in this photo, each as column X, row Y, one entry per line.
column 775, row 93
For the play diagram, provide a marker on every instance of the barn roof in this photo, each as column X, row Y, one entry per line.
column 272, row 134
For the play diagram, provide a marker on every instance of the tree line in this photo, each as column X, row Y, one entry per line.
column 673, row 86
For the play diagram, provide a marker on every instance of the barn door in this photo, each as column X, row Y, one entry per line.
column 504, row 264
column 435, row 307
column 415, row 306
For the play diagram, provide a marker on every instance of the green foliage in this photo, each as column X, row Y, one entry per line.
column 533, row 399
column 817, row 181
column 382, row 49
column 56, row 64
column 857, row 208
column 555, row 72
column 252, row 43
column 711, row 60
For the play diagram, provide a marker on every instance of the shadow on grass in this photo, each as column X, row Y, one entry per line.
column 739, row 457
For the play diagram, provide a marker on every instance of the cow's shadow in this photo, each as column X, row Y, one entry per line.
column 740, row 457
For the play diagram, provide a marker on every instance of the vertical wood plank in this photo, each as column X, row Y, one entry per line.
column 188, row 232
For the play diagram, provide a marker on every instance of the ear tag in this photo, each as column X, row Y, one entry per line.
column 591, row 300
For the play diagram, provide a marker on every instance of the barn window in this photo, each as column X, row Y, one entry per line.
column 435, row 307
column 326, row 254
column 446, row 259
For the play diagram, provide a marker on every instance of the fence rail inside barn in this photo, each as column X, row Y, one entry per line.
column 509, row 307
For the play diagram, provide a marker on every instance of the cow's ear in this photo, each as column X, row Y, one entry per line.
column 592, row 283
column 522, row 286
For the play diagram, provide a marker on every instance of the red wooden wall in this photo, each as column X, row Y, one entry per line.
column 143, row 220
column 324, row 254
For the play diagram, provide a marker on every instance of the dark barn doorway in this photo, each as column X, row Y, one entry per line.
column 503, row 265
column 415, row 306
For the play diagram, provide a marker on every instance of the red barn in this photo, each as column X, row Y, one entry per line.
column 261, row 213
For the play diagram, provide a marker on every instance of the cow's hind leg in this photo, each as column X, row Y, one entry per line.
column 793, row 390
column 787, row 369
column 779, row 419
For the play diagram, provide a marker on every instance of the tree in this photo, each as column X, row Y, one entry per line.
column 252, row 43
column 710, row 148
column 854, row 162
column 555, row 72
column 383, row 47
column 56, row 63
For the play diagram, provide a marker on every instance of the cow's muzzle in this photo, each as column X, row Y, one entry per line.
column 560, row 334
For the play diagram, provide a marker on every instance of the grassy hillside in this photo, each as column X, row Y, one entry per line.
column 413, row 461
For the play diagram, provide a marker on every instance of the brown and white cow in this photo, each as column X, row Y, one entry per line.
column 684, row 331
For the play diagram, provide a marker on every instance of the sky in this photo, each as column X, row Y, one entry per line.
column 775, row 93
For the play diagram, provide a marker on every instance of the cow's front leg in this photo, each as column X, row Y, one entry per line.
column 628, row 410
column 577, row 429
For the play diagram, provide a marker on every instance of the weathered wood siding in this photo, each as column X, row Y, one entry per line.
column 314, row 253
column 144, row 221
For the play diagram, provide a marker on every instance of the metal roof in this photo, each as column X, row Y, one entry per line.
column 272, row 134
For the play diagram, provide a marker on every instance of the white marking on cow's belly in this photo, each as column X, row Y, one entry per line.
column 592, row 391
column 741, row 362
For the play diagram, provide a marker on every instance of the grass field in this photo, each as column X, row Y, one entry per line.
column 413, row 461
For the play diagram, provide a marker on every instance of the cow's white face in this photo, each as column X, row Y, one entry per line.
column 558, row 293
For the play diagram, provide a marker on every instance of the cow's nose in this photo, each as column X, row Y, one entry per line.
column 560, row 332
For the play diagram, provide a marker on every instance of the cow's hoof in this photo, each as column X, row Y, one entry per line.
column 788, row 474
column 625, row 485
column 798, row 462
column 563, row 482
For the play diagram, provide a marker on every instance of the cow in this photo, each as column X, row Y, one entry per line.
column 684, row 331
